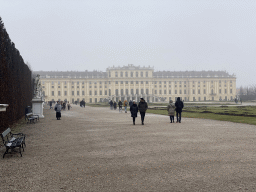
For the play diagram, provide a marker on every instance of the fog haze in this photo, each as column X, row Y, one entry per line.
column 169, row 35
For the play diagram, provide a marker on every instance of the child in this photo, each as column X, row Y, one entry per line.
column 171, row 111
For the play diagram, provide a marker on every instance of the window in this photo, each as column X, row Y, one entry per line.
column 77, row 86
column 147, row 92
column 52, row 86
column 121, row 74
column 126, row 74
column 155, row 91
column 65, row 86
column 121, row 82
column 160, row 91
column 219, row 81
column 126, row 91
column 83, row 82
column 131, row 82
column 146, row 74
column 230, row 90
column 137, row 91
column 170, row 92
column 58, row 93
column 137, row 82
column 95, row 92
column 82, row 92
column 122, row 92
column 176, row 92
column 42, row 82
column 65, row 93
column 185, row 91
column 52, row 83
column 90, row 92
column 220, row 91
column 58, row 86
column 131, row 74
column 109, row 74
column 77, row 82
column 82, row 86
column 141, row 91
column 132, row 91
column 141, row 74
column 204, row 91
column 116, row 74
column 72, row 86
column 137, row 74
column 180, row 92
column 73, row 93
column 141, row 82
column 100, row 92
column 52, row 93
column 72, row 82
column 146, row 82
column 126, row 82
column 225, row 90
column 193, row 91
column 198, row 91
column 106, row 92
column 165, row 92
column 160, row 82
column 116, row 92
column 116, row 82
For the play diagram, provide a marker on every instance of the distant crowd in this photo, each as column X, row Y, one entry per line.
column 142, row 107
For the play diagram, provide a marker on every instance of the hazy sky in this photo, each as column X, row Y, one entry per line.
column 169, row 35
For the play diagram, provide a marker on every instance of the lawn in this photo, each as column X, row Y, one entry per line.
column 238, row 114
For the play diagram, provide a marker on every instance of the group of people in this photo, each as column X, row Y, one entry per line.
column 59, row 106
column 177, row 107
column 143, row 106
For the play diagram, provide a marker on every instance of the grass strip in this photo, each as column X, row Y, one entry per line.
column 230, row 118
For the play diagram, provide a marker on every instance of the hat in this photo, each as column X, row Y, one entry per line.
column 141, row 98
column 133, row 101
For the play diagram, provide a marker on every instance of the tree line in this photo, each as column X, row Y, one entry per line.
column 247, row 93
column 15, row 81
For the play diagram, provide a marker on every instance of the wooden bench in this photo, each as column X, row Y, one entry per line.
column 12, row 141
column 31, row 118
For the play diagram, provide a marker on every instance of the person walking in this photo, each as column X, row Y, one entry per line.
column 114, row 105
column 130, row 103
column 134, row 111
column 143, row 106
column 179, row 105
column 171, row 111
column 64, row 106
column 69, row 106
column 58, row 110
column 125, row 105
column 50, row 104
column 120, row 104
column 111, row 104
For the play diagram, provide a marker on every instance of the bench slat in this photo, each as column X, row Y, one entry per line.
column 6, row 132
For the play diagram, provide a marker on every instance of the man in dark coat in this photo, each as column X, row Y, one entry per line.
column 143, row 106
column 130, row 103
column 120, row 104
column 179, row 105
column 111, row 104
column 134, row 111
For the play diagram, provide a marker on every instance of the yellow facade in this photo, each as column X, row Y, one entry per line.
column 133, row 82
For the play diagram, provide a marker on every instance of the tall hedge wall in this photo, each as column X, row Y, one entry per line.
column 15, row 81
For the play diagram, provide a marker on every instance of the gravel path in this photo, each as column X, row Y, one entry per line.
column 95, row 149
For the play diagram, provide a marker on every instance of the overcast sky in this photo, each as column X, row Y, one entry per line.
column 175, row 35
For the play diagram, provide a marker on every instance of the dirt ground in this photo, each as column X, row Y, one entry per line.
column 96, row 149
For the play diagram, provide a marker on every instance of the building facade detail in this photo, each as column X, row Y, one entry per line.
column 132, row 82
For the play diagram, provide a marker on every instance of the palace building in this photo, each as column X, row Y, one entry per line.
column 133, row 82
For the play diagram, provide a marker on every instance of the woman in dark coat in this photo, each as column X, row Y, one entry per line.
column 58, row 110
column 134, row 110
